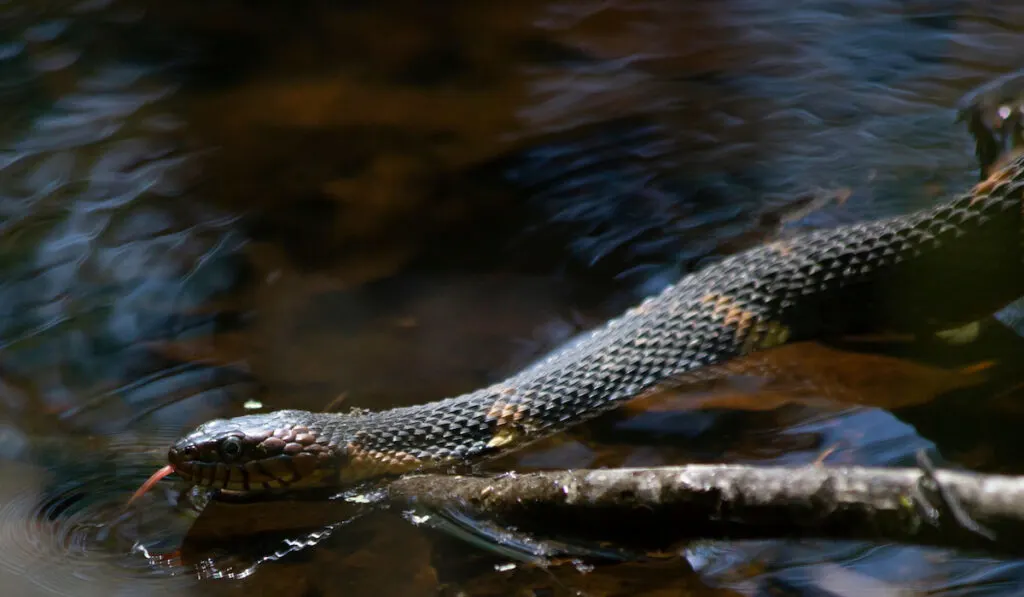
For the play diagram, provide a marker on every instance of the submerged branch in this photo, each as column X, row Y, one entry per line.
column 657, row 508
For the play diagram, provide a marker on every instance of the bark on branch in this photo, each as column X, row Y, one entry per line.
column 656, row 508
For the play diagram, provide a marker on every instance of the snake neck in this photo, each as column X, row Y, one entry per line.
column 923, row 272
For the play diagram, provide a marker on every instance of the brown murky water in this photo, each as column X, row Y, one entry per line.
column 213, row 207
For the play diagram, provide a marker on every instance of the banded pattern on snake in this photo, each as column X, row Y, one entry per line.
column 921, row 272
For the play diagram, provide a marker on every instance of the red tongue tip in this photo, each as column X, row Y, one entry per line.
column 150, row 482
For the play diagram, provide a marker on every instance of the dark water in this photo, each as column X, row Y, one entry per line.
column 207, row 208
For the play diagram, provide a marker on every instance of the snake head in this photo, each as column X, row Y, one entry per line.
column 284, row 449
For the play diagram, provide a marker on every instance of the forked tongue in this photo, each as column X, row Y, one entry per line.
column 150, row 482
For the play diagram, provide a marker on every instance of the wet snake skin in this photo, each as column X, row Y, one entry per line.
column 925, row 271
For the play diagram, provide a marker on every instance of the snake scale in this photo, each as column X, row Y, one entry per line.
column 930, row 270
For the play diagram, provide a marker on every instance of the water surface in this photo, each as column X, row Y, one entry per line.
column 209, row 208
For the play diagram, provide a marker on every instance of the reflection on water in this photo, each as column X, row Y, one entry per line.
column 207, row 205
column 64, row 527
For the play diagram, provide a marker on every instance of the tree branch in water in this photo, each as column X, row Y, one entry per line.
column 657, row 508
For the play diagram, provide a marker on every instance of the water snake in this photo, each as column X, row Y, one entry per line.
column 929, row 270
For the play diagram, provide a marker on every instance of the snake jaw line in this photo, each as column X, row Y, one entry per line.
column 254, row 452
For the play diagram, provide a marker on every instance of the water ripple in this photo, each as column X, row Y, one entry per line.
column 74, row 536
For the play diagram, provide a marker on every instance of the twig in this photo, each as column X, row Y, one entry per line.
column 656, row 508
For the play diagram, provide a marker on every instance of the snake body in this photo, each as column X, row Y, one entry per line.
column 925, row 271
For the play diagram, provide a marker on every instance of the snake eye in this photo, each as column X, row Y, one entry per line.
column 231, row 447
